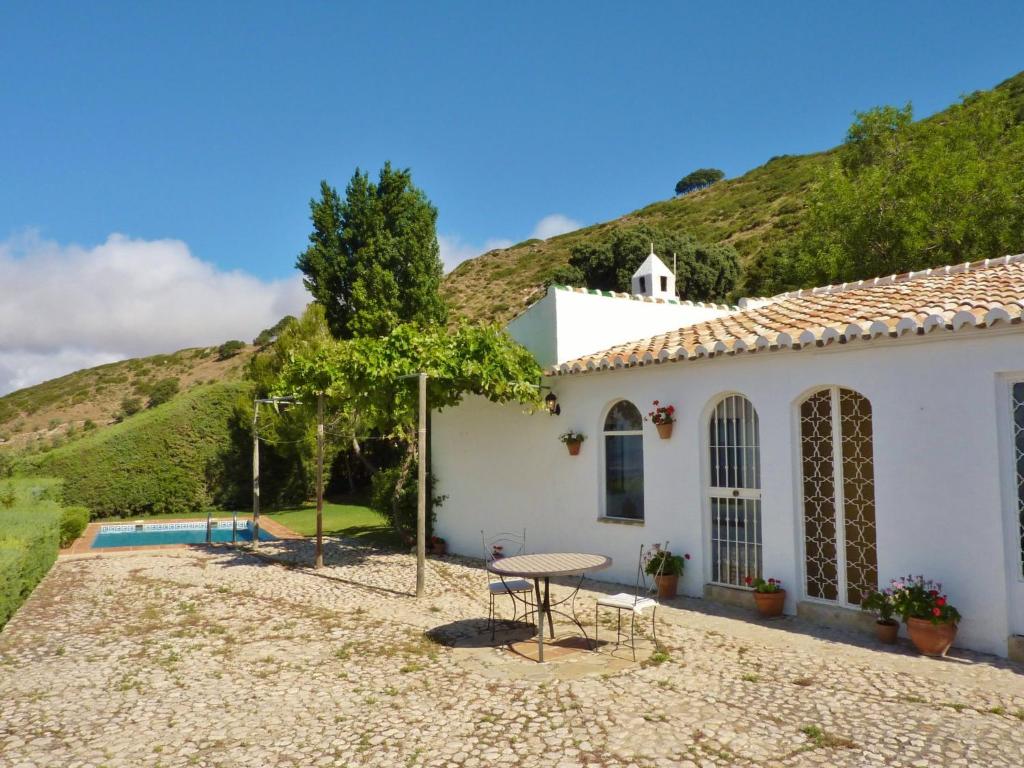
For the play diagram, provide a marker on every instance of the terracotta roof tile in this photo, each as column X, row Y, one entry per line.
column 980, row 294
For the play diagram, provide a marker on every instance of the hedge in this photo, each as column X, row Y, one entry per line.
column 181, row 457
column 72, row 522
column 29, row 538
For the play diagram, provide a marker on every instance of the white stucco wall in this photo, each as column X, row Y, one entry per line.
column 568, row 324
column 941, row 471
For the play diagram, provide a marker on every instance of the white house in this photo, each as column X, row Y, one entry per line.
column 833, row 438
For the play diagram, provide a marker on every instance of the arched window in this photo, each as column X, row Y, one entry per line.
column 624, row 462
column 838, row 484
column 734, row 491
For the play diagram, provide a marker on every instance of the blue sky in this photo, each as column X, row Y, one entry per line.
column 209, row 125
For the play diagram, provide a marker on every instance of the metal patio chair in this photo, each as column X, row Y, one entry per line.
column 499, row 545
column 635, row 603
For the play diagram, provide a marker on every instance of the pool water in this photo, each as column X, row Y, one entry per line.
column 151, row 534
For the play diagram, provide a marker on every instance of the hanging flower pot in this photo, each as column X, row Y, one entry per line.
column 663, row 417
column 931, row 639
column 573, row 441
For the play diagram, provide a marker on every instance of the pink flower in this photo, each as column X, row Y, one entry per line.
column 687, row 556
column 936, row 611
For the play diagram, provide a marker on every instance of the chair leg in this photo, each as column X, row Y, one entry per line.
column 632, row 633
column 597, row 626
column 618, row 627
column 654, row 628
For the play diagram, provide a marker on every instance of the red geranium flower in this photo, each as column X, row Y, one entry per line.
column 936, row 611
column 941, row 601
column 749, row 580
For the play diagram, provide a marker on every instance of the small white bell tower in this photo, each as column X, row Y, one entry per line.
column 654, row 279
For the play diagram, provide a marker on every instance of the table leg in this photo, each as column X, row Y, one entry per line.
column 547, row 607
column 540, row 621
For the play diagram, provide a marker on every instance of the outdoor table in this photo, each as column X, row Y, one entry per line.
column 541, row 568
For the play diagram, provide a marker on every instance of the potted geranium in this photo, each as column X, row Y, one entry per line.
column 666, row 569
column 883, row 606
column 436, row 545
column 769, row 596
column 573, row 441
column 931, row 621
column 663, row 417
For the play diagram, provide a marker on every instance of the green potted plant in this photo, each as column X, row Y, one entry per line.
column 437, row 546
column 666, row 569
column 881, row 603
column 769, row 596
column 931, row 621
column 663, row 417
column 573, row 441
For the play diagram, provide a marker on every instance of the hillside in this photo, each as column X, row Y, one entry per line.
column 49, row 414
column 750, row 212
column 180, row 456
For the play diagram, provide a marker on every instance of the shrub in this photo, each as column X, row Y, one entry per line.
column 29, row 537
column 89, row 425
column 399, row 509
column 130, row 406
column 229, row 349
column 72, row 522
column 163, row 391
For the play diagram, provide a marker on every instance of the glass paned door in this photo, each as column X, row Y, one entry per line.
column 734, row 491
column 838, row 484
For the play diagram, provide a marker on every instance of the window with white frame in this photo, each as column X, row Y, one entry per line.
column 734, row 491
column 1018, row 463
column 624, row 462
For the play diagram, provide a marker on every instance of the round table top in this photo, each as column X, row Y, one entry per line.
column 548, row 564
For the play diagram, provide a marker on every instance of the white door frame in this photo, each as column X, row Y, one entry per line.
column 1011, row 513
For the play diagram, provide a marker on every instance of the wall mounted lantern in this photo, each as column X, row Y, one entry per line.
column 551, row 402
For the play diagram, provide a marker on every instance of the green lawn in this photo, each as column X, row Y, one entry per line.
column 355, row 521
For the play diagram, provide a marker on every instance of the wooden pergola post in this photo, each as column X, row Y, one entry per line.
column 421, row 496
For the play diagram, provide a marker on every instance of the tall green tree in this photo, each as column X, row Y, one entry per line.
column 373, row 260
column 903, row 196
column 703, row 272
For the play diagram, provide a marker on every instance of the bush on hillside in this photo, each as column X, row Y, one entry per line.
column 162, row 392
column 72, row 522
column 180, row 458
column 130, row 406
column 229, row 349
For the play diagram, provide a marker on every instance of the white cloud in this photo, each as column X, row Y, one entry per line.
column 66, row 307
column 455, row 250
column 554, row 224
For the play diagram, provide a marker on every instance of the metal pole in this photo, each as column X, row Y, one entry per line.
column 319, row 482
column 255, row 475
column 421, row 497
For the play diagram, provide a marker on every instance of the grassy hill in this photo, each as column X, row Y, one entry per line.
column 55, row 412
column 180, row 456
column 750, row 212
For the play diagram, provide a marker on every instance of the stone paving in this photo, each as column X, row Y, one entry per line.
column 218, row 658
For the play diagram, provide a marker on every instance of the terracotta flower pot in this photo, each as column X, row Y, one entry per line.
column 668, row 585
column 770, row 604
column 438, row 546
column 665, row 430
column 574, row 447
column 931, row 639
column 887, row 631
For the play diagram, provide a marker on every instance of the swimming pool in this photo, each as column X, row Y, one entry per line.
column 151, row 534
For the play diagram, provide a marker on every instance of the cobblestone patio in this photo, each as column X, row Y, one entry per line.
column 218, row 658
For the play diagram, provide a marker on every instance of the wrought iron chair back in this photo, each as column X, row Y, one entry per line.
column 496, row 546
column 642, row 588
